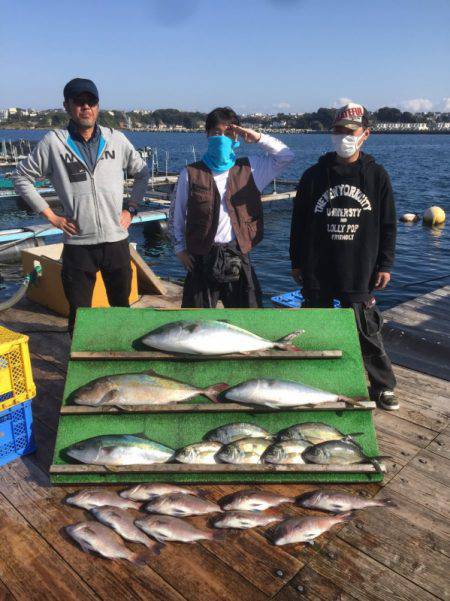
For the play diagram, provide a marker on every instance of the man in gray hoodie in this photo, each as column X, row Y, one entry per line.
column 86, row 164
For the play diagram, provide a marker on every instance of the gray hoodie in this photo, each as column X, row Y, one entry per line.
column 93, row 199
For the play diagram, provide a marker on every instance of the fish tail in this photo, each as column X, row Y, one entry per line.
column 375, row 461
column 217, row 535
column 289, row 337
column 141, row 558
column 154, row 547
column 386, row 503
column 345, row 517
column 356, row 402
column 213, row 392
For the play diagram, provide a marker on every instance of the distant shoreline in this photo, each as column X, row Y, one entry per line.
column 266, row 131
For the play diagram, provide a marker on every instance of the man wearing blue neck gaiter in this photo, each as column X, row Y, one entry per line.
column 216, row 217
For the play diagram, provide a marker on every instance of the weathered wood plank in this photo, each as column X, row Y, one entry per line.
column 441, row 445
column 194, row 572
column 183, row 468
column 206, row 408
column 425, row 491
column 158, row 355
column 399, row 546
column 362, row 577
column 433, row 528
column 434, row 466
column 30, row 568
column 5, row 593
column 313, row 586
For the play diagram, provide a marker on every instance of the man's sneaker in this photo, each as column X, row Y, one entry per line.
column 387, row 400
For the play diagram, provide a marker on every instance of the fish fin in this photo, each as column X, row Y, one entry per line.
column 353, row 434
column 213, row 392
column 289, row 337
column 141, row 435
column 201, row 492
column 387, row 503
column 218, row 535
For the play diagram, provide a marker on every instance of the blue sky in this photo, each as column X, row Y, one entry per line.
column 255, row 55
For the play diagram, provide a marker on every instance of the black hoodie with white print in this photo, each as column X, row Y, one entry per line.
column 343, row 227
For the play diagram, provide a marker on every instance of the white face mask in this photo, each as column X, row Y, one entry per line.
column 346, row 145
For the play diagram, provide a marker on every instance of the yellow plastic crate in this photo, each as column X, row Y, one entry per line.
column 16, row 378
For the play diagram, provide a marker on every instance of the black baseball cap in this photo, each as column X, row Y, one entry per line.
column 78, row 86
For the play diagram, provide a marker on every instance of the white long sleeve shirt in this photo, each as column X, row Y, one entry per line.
column 265, row 168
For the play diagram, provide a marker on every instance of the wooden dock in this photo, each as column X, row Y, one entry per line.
column 383, row 554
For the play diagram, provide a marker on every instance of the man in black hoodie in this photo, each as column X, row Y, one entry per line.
column 343, row 239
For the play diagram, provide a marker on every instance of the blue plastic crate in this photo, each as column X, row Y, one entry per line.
column 16, row 432
column 294, row 300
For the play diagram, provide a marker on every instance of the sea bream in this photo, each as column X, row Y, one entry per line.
column 253, row 500
column 235, row 431
column 337, row 502
column 286, row 452
column 279, row 394
column 305, row 530
column 246, row 519
column 314, row 433
column 245, row 450
column 149, row 491
column 146, row 388
column 120, row 449
column 211, row 337
column 338, row 452
column 122, row 522
column 167, row 528
column 97, row 538
column 181, row 505
column 199, row 453
column 93, row 497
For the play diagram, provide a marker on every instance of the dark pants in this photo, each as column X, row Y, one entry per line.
column 79, row 271
column 369, row 322
column 200, row 292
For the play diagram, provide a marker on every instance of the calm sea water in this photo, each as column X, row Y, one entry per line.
column 419, row 166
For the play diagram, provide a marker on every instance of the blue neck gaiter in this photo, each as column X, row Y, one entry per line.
column 220, row 156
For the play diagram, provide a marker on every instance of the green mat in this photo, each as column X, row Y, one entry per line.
column 117, row 329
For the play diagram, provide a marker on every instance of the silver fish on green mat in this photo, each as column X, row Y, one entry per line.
column 90, row 498
column 337, row 502
column 246, row 519
column 211, row 337
column 149, row 491
column 122, row 522
column 286, row 452
column 305, row 530
column 147, row 388
column 167, row 528
column 97, row 538
column 314, row 432
column 279, row 394
column 232, row 432
column 120, row 449
column 338, row 452
column 181, row 505
column 200, row 452
column 245, row 450
column 253, row 500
